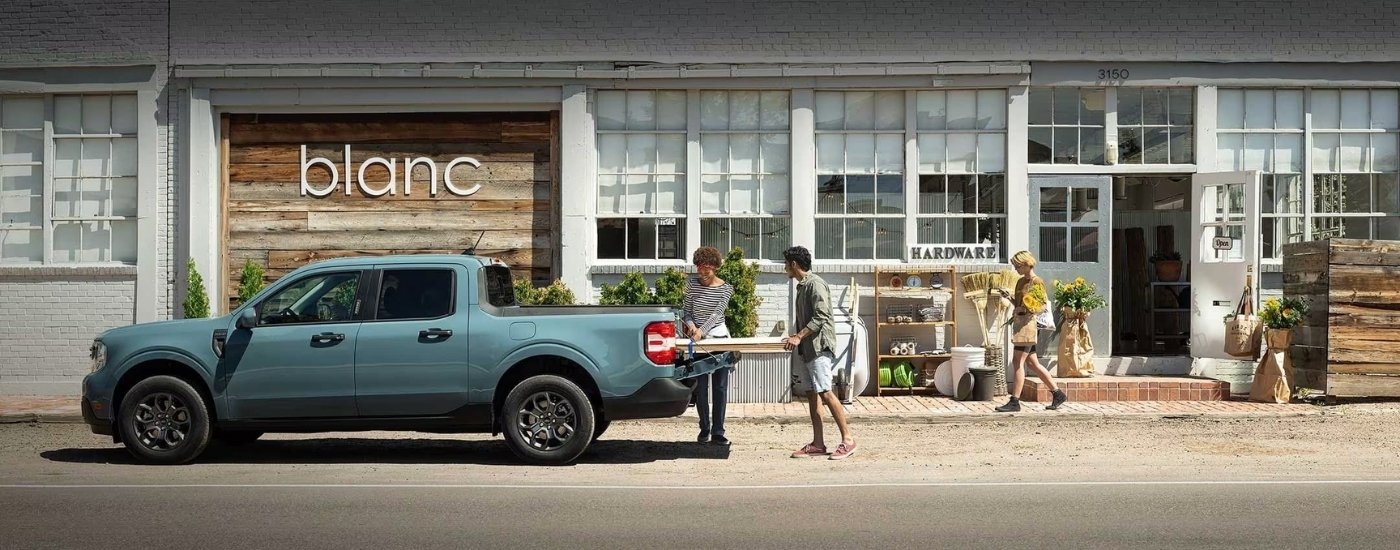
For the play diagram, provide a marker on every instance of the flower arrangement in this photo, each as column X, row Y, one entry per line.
column 1035, row 298
column 1284, row 313
column 1078, row 295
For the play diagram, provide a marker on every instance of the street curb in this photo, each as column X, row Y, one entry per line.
column 878, row 419
column 44, row 418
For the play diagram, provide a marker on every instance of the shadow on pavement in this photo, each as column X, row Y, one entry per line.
column 402, row 451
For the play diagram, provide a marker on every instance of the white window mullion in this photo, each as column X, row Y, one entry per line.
column 803, row 168
column 911, row 173
column 1307, row 163
column 46, row 181
column 693, row 168
column 1110, row 127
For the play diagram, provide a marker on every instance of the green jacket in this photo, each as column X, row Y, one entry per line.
column 814, row 313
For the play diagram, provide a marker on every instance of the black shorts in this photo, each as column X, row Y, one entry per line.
column 1025, row 349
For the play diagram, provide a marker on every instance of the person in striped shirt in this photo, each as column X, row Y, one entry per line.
column 706, row 299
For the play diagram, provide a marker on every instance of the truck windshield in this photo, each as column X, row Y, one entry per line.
column 499, row 289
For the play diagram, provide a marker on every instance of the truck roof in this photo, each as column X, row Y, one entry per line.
column 459, row 259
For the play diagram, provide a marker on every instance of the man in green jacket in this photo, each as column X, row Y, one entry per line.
column 815, row 343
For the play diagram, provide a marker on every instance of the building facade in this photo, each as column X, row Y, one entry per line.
column 583, row 141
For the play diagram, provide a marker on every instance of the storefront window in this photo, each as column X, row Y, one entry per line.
column 1351, row 187
column 860, row 175
column 93, row 183
column 1155, row 125
column 1066, row 126
column 962, row 166
column 745, row 183
column 641, row 174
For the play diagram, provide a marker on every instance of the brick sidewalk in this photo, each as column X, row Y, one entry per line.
column 65, row 409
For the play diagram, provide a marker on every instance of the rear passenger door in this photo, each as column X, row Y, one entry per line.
column 411, row 354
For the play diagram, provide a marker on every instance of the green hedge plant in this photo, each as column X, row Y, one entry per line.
column 196, row 299
column 250, row 282
column 556, row 294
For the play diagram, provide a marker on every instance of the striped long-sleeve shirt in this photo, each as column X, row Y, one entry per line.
column 704, row 305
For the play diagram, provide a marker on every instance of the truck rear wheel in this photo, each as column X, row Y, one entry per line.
column 547, row 420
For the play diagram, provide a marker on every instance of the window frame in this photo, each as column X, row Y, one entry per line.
column 1310, row 171
column 355, row 316
column 47, row 180
column 657, row 219
column 726, row 220
column 371, row 314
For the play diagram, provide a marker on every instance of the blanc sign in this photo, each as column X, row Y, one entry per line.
column 985, row 251
column 356, row 178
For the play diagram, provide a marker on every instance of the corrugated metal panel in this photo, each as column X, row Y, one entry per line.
column 762, row 378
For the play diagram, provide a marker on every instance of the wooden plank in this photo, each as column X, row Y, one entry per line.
column 1349, row 353
column 1308, row 357
column 420, row 221
column 291, row 259
column 1313, row 262
column 1138, row 284
column 463, row 174
column 1381, row 335
column 372, row 240
column 1365, row 368
column 1363, row 385
column 416, row 205
column 223, row 201
column 291, row 191
column 440, row 151
column 267, row 221
column 1355, row 316
column 390, row 128
column 556, row 178
column 1303, row 248
column 1309, row 378
column 1364, row 252
column 1166, row 238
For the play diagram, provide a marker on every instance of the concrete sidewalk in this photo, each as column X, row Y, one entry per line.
column 865, row 409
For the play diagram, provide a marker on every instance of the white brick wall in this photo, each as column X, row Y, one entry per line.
column 49, row 325
column 273, row 31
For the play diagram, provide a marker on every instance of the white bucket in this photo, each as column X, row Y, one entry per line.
column 964, row 358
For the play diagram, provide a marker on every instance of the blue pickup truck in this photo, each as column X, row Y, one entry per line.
column 416, row 343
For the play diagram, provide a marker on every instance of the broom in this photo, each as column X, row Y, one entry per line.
column 978, row 289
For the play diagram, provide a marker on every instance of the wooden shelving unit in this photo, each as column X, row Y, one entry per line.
column 896, row 300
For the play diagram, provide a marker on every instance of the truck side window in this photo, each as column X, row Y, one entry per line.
column 500, row 288
column 415, row 294
column 325, row 298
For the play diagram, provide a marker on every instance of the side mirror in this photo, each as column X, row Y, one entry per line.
column 248, row 318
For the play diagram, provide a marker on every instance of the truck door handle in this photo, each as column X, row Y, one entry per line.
column 434, row 333
column 327, row 337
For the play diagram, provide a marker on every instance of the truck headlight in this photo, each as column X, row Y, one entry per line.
column 99, row 355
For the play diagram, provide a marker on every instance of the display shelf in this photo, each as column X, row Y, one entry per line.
column 904, row 298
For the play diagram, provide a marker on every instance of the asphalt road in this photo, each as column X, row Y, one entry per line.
column 1267, row 483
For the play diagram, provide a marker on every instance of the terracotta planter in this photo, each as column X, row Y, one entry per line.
column 1168, row 271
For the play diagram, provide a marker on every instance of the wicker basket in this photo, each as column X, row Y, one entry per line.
column 995, row 359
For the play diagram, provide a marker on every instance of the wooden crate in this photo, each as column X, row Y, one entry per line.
column 1349, row 344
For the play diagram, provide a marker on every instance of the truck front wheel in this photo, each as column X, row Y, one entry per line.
column 547, row 420
column 163, row 420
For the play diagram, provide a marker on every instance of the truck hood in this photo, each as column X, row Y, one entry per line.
column 160, row 328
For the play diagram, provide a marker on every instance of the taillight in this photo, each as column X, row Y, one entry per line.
column 659, row 343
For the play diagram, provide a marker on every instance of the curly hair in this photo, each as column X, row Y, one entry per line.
column 800, row 256
column 707, row 255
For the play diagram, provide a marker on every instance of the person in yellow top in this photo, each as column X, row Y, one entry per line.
column 1029, row 299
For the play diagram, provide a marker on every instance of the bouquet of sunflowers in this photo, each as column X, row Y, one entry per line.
column 1078, row 295
column 1284, row 313
column 1035, row 298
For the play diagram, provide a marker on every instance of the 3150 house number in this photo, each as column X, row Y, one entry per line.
column 1113, row 74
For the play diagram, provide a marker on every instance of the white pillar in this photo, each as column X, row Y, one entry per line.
column 577, row 199
column 148, row 247
column 1018, row 202
column 804, row 170
column 202, row 219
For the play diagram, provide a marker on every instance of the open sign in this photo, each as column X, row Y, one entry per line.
column 1222, row 243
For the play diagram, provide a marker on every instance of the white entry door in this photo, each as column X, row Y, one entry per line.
column 1225, row 222
column 1071, row 219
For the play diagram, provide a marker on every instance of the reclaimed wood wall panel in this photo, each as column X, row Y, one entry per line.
column 268, row 220
column 1349, row 343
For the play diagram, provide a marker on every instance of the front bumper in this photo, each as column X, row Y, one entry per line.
column 99, row 426
column 659, row 398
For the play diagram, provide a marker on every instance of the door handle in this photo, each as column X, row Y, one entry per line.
column 327, row 337
column 434, row 333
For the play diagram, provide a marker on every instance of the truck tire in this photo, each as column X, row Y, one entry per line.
column 547, row 420
column 163, row 420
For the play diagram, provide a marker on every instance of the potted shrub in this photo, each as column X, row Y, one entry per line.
column 1168, row 265
column 1272, row 382
column 1076, row 299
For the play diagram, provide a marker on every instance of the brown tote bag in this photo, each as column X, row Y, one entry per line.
column 1242, row 330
